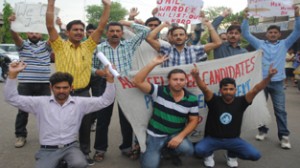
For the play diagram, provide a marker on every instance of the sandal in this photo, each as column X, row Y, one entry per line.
column 98, row 157
column 134, row 154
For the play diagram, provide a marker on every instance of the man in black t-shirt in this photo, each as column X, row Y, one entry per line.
column 224, row 120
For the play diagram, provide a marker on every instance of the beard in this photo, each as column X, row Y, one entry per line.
column 61, row 96
column 228, row 97
column 34, row 40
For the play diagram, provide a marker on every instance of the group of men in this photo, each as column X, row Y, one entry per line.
column 70, row 109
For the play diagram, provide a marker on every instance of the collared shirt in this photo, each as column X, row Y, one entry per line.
column 76, row 61
column 289, row 64
column 37, row 58
column 273, row 53
column 189, row 55
column 226, row 50
column 57, row 124
column 170, row 117
column 121, row 56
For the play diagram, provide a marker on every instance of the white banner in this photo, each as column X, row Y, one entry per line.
column 245, row 68
column 270, row 8
column 179, row 11
column 31, row 18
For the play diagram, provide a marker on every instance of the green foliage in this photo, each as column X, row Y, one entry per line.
column 94, row 12
column 5, row 35
column 213, row 12
column 237, row 18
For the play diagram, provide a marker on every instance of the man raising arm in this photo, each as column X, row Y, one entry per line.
column 75, row 57
column 224, row 120
column 170, row 123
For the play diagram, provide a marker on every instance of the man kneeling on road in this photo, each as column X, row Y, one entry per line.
column 224, row 120
column 175, row 114
column 58, row 116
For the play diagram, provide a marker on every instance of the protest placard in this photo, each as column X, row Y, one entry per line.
column 193, row 2
column 246, row 69
column 31, row 18
column 179, row 11
column 270, row 8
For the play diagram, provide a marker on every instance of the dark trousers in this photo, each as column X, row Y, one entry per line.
column 97, row 85
column 28, row 89
column 85, row 127
column 103, row 121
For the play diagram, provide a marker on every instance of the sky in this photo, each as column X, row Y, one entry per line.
column 75, row 9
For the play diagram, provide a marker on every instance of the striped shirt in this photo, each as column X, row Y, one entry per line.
column 189, row 55
column 170, row 117
column 37, row 58
column 76, row 61
column 121, row 56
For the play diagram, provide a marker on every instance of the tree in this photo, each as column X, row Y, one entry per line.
column 94, row 12
column 5, row 36
column 214, row 12
column 235, row 18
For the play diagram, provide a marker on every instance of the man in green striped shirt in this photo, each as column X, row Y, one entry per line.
column 175, row 114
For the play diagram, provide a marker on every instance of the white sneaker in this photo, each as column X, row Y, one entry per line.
column 285, row 143
column 232, row 162
column 209, row 161
column 260, row 136
column 20, row 142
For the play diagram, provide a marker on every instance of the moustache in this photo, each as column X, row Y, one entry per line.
column 228, row 95
column 114, row 36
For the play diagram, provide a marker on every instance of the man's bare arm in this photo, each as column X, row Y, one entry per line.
column 152, row 37
column 53, row 35
column 140, row 78
column 15, row 36
column 208, row 94
column 261, row 85
column 96, row 35
column 215, row 38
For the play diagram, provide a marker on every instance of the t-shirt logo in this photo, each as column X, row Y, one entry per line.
column 225, row 118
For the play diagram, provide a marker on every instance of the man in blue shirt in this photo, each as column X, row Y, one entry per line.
column 274, row 52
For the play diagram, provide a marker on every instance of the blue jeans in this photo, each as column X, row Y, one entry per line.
column 276, row 91
column 151, row 157
column 28, row 89
column 236, row 147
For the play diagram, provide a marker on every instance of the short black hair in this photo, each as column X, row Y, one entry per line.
column 177, row 27
column 174, row 71
column 74, row 22
column 234, row 27
column 273, row 27
column 61, row 77
column 90, row 26
column 226, row 81
column 114, row 24
column 151, row 19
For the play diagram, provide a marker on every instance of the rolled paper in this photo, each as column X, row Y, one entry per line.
column 105, row 62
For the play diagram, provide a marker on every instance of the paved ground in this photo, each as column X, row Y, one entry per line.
column 272, row 155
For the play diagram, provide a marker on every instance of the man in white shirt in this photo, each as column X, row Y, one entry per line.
column 58, row 116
